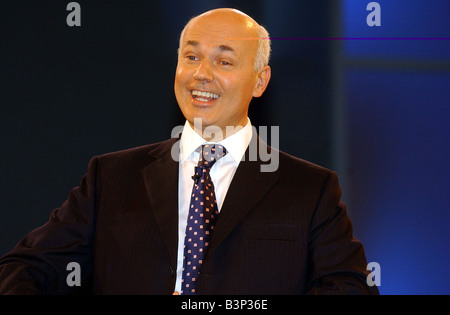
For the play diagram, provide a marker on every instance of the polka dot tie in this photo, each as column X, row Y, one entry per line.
column 201, row 218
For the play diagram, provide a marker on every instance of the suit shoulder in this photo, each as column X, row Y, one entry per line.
column 134, row 154
column 290, row 163
column 305, row 175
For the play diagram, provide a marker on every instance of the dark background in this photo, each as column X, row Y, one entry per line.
column 376, row 111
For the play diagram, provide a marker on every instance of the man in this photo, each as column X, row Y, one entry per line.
column 131, row 224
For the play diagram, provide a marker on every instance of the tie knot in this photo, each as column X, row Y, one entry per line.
column 210, row 154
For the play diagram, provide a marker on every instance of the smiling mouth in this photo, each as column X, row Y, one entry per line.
column 204, row 96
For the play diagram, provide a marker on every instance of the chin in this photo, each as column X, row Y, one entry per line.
column 205, row 122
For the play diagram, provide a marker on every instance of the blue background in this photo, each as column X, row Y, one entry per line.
column 398, row 141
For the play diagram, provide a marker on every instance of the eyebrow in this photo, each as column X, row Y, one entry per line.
column 226, row 48
column 192, row 43
column 220, row 47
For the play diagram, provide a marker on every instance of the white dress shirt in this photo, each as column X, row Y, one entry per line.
column 221, row 173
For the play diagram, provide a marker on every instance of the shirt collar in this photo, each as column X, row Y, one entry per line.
column 236, row 144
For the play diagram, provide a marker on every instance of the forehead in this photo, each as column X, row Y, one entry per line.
column 216, row 33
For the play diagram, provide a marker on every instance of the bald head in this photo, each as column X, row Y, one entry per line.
column 228, row 13
column 250, row 31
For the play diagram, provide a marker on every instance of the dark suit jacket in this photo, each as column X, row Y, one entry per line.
column 284, row 232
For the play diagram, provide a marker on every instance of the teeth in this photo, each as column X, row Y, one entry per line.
column 204, row 94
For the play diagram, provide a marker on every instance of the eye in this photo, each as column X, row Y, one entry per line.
column 192, row 58
column 224, row 63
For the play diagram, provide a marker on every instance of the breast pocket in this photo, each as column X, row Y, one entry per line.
column 275, row 232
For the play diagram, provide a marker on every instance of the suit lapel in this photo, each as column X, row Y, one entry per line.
column 161, row 182
column 249, row 185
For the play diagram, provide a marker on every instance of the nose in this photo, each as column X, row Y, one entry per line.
column 204, row 72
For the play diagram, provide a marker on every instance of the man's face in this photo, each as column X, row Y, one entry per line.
column 215, row 78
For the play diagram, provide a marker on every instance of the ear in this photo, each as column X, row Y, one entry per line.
column 263, row 78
